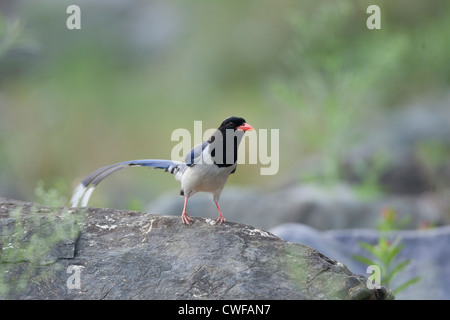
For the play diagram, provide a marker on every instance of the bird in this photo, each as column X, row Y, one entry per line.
column 206, row 168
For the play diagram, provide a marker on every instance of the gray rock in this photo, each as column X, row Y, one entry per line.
column 132, row 255
column 428, row 250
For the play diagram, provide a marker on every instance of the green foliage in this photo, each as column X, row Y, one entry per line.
column 325, row 84
column 434, row 155
column 385, row 251
column 28, row 238
column 370, row 172
column 340, row 75
column 10, row 32
column 51, row 197
column 390, row 221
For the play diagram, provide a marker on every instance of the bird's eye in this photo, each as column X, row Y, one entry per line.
column 231, row 123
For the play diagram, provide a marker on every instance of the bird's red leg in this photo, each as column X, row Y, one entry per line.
column 184, row 216
column 221, row 219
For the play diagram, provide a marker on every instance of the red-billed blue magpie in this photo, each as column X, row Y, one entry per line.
column 206, row 168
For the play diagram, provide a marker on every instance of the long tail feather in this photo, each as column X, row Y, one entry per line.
column 83, row 191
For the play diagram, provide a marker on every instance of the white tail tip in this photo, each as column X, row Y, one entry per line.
column 81, row 196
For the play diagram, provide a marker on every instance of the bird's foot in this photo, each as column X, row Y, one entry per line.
column 185, row 218
column 221, row 219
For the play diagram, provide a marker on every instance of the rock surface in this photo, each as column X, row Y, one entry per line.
column 132, row 255
column 428, row 251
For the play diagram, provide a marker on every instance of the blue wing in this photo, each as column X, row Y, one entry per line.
column 195, row 154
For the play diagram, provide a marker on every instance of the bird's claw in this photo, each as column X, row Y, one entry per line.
column 185, row 218
column 221, row 219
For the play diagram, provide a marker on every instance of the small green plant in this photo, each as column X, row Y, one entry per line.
column 28, row 237
column 390, row 221
column 385, row 252
column 51, row 197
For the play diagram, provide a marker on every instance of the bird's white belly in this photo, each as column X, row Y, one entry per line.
column 206, row 178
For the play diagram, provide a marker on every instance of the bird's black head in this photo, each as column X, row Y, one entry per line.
column 224, row 148
column 235, row 123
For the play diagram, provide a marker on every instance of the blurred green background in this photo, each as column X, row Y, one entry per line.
column 72, row 101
